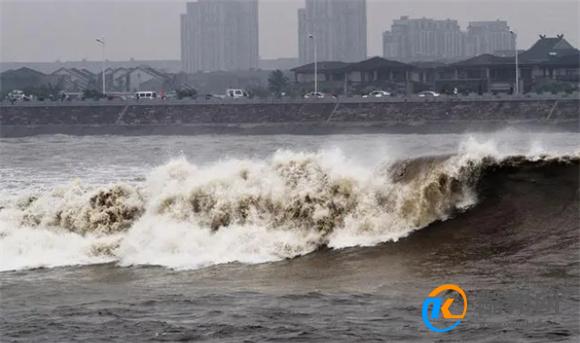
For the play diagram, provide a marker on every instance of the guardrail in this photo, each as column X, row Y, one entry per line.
column 261, row 101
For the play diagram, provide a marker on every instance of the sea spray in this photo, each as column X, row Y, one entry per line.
column 185, row 216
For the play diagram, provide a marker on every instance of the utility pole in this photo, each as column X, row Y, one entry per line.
column 102, row 43
column 517, row 85
column 311, row 36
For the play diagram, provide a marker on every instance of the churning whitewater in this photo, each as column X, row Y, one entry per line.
column 185, row 216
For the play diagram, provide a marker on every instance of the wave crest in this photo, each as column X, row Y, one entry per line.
column 187, row 216
column 78, row 209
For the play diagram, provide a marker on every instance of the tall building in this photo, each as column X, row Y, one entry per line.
column 423, row 39
column 487, row 37
column 219, row 35
column 338, row 29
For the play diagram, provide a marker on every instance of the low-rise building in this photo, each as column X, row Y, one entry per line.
column 326, row 70
column 134, row 79
column 562, row 68
column 21, row 78
column 145, row 78
column 376, row 71
column 480, row 74
column 547, row 48
column 548, row 59
column 75, row 80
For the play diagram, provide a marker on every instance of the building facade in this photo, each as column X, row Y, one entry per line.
column 551, row 64
column 75, row 80
column 338, row 28
column 488, row 37
column 220, row 35
column 423, row 39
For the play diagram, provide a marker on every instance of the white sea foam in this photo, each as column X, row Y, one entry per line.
column 185, row 216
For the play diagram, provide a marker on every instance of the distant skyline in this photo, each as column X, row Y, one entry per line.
column 45, row 30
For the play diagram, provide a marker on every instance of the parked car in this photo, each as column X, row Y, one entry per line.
column 424, row 94
column 16, row 95
column 377, row 94
column 236, row 93
column 314, row 95
column 149, row 95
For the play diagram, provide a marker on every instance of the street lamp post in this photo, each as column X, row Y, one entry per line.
column 311, row 36
column 517, row 85
column 102, row 43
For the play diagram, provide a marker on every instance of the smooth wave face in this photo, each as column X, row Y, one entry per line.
column 185, row 216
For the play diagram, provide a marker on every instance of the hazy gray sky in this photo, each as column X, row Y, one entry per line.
column 47, row 30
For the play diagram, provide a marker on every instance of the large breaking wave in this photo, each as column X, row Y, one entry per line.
column 185, row 216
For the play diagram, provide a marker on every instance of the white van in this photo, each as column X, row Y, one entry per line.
column 146, row 95
column 236, row 93
column 16, row 95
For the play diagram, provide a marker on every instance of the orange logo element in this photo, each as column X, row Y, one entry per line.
column 443, row 307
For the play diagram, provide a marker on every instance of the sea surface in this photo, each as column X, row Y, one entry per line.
column 336, row 238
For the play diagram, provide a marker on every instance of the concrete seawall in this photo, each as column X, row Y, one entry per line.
column 292, row 117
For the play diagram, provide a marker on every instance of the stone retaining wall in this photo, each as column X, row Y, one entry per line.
column 328, row 116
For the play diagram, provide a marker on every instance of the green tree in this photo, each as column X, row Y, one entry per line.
column 555, row 87
column 44, row 92
column 277, row 82
column 186, row 93
column 258, row 92
column 92, row 94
